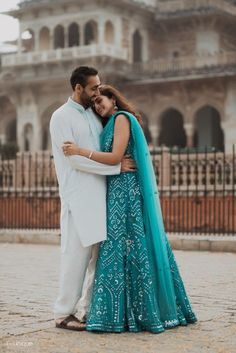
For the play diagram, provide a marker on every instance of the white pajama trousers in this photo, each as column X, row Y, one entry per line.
column 77, row 270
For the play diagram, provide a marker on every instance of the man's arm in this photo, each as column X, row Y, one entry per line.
column 62, row 132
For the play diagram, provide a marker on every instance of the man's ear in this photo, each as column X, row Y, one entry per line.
column 78, row 88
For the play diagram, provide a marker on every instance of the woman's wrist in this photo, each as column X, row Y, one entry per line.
column 84, row 152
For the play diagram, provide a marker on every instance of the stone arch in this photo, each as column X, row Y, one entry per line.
column 44, row 38
column 28, row 40
column 172, row 132
column 11, row 131
column 73, row 35
column 91, row 32
column 137, row 46
column 59, row 37
column 28, row 137
column 109, row 32
column 206, row 101
column 208, row 131
column 45, row 119
column 8, row 119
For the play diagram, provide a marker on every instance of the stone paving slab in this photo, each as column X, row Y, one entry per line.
column 28, row 287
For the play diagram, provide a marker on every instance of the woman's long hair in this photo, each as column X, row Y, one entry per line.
column 121, row 102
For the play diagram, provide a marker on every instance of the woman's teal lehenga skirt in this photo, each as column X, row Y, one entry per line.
column 137, row 284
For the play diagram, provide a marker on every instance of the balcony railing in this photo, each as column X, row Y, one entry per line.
column 187, row 65
column 64, row 54
column 174, row 6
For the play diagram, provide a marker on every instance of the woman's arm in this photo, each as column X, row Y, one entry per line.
column 120, row 143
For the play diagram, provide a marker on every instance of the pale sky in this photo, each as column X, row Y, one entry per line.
column 8, row 26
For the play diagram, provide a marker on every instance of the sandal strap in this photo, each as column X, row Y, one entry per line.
column 69, row 319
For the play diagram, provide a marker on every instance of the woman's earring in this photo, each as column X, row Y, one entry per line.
column 115, row 106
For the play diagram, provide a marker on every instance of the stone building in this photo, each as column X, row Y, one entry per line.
column 175, row 59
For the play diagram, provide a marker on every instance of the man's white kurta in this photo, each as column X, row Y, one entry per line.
column 82, row 182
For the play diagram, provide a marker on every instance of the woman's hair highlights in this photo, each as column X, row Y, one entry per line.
column 121, row 102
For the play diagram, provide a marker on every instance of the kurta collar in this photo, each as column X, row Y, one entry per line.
column 75, row 105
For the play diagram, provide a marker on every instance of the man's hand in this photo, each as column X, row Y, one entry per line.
column 128, row 164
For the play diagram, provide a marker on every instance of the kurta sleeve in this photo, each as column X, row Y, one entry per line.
column 61, row 132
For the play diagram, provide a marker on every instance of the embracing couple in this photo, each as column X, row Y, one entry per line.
column 118, row 272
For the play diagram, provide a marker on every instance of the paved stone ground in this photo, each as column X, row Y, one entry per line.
column 29, row 281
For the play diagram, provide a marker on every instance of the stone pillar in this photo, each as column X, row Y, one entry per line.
column 3, row 139
column 229, row 123
column 189, row 129
column 154, row 129
column 118, row 32
column 51, row 39
column 66, row 37
column 145, row 53
column 165, row 173
column 229, row 129
column 81, row 33
column 36, row 41
column 101, row 30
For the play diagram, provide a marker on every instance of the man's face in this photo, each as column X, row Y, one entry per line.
column 90, row 91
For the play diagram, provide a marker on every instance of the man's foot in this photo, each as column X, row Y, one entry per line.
column 70, row 323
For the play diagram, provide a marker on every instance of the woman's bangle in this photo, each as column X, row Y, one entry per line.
column 90, row 154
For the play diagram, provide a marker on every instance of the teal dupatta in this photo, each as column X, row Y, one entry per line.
column 174, row 306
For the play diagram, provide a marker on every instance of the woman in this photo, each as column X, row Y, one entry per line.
column 137, row 284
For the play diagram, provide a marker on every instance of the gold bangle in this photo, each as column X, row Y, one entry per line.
column 90, row 155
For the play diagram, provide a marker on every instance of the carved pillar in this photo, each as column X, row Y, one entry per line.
column 101, row 30
column 189, row 129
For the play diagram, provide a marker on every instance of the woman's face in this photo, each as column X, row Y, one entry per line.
column 104, row 106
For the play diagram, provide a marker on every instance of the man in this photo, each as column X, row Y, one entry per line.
column 82, row 189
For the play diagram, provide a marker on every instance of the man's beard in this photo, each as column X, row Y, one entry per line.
column 86, row 100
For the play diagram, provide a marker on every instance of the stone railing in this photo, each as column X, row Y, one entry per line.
column 192, row 173
column 172, row 6
column 186, row 64
column 201, row 173
column 28, row 173
column 65, row 54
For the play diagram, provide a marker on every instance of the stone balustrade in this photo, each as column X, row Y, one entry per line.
column 63, row 54
column 189, row 172
column 172, row 6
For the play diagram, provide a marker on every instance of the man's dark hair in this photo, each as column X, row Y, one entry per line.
column 80, row 75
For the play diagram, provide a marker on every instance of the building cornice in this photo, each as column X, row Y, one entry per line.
column 37, row 5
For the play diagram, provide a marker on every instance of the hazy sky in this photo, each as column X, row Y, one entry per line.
column 8, row 25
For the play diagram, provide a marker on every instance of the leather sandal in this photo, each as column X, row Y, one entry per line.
column 64, row 324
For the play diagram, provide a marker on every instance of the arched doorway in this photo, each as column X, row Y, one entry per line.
column 109, row 32
column 208, row 130
column 137, row 47
column 44, row 39
column 73, row 33
column 28, row 137
column 46, row 116
column 91, row 33
column 172, row 133
column 7, row 121
column 59, row 37
column 11, row 131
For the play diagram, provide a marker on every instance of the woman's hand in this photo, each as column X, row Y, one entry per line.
column 70, row 149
